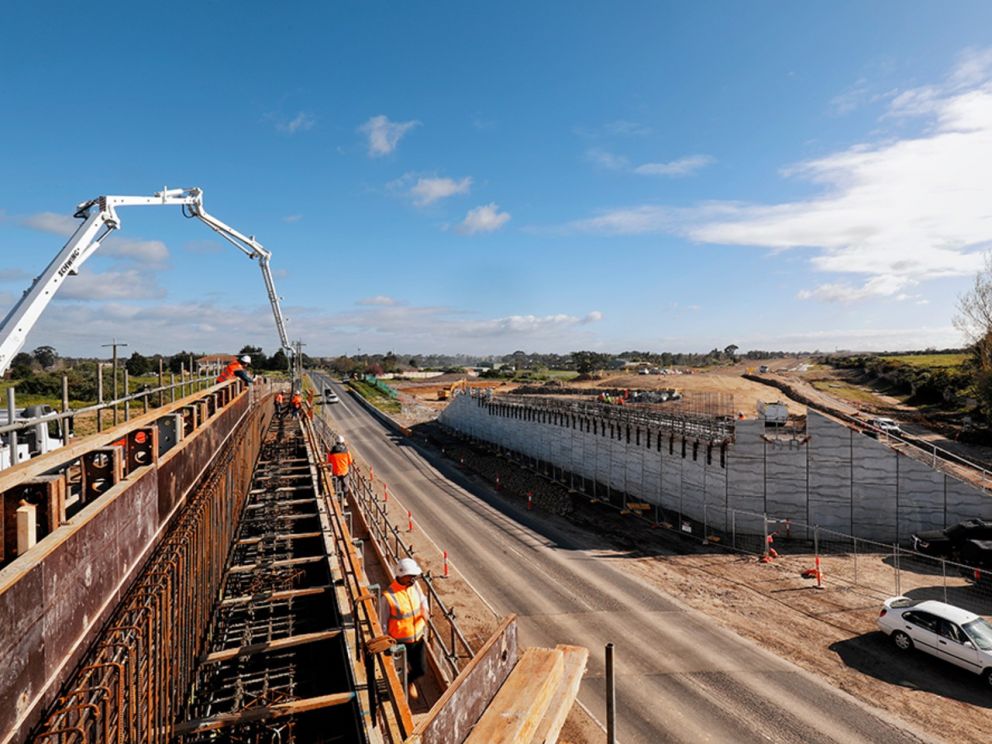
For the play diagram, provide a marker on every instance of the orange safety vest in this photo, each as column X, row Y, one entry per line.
column 229, row 370
column 407, row 608
column 340, row 462
column 296, row 401
column 279, row 399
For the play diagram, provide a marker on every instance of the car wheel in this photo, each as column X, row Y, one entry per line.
column 987, row 676
column 903, row 642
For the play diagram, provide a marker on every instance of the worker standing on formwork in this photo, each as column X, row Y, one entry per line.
column 296, row 403
column 408, row 619
column 340, row 460
column 280, row 402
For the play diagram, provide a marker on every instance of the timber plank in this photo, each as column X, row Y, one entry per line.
column 575, row 658
column 516, row 712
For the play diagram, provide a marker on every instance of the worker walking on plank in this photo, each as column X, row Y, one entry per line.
column 340, row 460
column 296, row 402
column 408, row 615
column 280, row 402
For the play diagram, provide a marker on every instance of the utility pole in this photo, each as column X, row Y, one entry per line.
column 298, row 371
column 115, row 344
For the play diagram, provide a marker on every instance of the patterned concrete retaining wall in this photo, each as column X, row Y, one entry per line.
column 831, row 476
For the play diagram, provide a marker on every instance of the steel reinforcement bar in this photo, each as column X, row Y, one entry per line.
column 129, row 687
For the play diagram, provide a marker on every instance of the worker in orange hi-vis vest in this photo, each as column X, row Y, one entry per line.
column 407, row 620
column 280, row 402
column 340, row 460
column 236, row 368
column 295, row 403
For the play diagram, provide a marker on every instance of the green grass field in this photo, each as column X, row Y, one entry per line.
column 376, row 397
column 931, row 361
column 844, row 391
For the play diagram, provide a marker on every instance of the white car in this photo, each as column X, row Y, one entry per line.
column 942, row 630
column 330, row 396
column 886, row 424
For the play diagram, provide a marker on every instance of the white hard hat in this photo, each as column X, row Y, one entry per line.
column 246, row 359
column 407, row 567
column 340, row 439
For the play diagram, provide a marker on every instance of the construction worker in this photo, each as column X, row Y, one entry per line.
column 236, row 368
column 407, row 622
column 340, row 460
column 280, row 402
column 296, row 402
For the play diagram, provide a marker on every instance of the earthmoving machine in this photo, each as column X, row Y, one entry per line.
column 100, row 219
column 445, row 393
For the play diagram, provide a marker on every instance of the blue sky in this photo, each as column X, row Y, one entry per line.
column 481, row 178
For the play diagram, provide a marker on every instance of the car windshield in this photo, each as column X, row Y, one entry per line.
column 980, row 632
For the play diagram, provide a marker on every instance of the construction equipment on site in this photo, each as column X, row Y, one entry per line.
column 448, row 392
column 100, row 220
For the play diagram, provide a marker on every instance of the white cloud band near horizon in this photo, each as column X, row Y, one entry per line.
column 895, row 212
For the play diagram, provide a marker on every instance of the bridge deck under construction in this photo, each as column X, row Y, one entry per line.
column 276, row 664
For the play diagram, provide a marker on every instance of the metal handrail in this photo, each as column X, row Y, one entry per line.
column 380, row 527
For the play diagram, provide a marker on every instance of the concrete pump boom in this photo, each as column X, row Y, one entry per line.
column 100, row 220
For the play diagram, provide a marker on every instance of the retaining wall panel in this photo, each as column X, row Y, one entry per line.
column 874, row 491
column 964, row 501
column 785, row 480
column 921, row 498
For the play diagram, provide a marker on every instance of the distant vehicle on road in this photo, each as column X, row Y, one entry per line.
column 330, row 396
column 942, row 630
column 885, row 424
column 763, row 369
column 950, row 542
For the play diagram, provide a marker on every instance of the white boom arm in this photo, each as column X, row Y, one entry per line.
column 100, row 220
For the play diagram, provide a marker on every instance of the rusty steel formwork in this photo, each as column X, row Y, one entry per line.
column 130, row 686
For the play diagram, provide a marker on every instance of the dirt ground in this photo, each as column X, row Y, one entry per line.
column 831, row 631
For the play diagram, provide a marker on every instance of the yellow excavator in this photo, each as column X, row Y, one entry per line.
column 445, row 393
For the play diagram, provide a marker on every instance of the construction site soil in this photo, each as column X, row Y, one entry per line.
column 830, row 632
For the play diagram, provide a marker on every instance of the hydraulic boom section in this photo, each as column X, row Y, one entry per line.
column 100, row 220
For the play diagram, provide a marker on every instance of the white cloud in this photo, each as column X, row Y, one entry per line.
column 486, row 218
column 384, row 135
column 292, row 218
column 675, row 168
column 895, row 211
column 52, row 222
column 377, row 300
column 150, row 253
column 684, row 166
column 429, row 190
column 302, row 122
column 128, row 284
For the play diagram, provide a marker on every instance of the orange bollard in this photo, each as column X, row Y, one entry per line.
column 445, row 564
column 497, row 482
column 530, row 501
column 409, row 526
column 385, row 493
column 372, row 473
column 819, row 575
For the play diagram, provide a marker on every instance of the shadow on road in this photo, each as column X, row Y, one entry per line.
column 873, row 654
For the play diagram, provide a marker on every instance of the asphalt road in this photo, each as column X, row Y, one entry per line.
column 680, row 678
